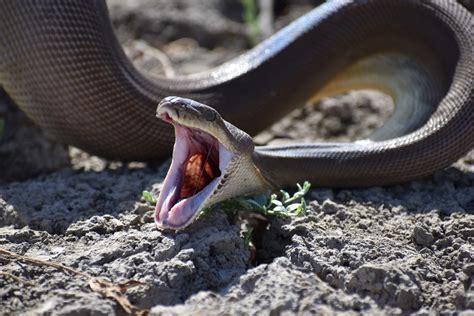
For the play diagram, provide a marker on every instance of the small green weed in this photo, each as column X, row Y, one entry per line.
column 148, row 196
column 251, row 20
column 281, row 205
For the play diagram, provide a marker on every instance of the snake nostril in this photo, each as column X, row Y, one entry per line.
column 166, row 117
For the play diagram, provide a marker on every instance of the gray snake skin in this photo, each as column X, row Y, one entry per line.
column 61, row 63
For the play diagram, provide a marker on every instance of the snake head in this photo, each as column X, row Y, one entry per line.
column 212, row 161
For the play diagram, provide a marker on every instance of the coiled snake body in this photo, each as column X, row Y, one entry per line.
column 61, row 63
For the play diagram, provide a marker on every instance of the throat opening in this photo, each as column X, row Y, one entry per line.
column 202, row 164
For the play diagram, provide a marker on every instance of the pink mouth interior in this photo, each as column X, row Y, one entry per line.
column 199, row 160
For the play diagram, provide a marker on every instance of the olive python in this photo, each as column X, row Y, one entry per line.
column 62, row 65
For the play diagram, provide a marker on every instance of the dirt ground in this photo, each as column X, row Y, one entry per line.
column 382, row 250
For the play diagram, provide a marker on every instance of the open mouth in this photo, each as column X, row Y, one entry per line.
column 199, row 162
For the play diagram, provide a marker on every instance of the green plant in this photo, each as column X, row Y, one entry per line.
column 251, row 20
column 281, row 205
column 148, row 196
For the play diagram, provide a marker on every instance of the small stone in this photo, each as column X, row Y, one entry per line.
column 469, row 302
column 315, row 206
column 449, row 274
column 466, row 251
column 364, row 224
column 468, row 232
column 426, row 251
column 408, row 299
column 369, row 277
column 342, row 214
column 422, row 236
column 329, row 207
column 468, row 269
column 444, row 242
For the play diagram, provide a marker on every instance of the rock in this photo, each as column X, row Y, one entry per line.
column 469, row 269
column 329, row 207
column 408, row 298
column 469, row 302
column 369, row 277
column 422, row 236
column 364, row 224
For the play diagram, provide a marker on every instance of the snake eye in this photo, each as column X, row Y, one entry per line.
column 209, row 115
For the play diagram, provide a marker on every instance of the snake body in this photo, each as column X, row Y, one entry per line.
column 61, row 63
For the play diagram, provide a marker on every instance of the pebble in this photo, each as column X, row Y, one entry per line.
column 422, row 236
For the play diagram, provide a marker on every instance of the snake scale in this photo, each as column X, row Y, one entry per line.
column 61, row 63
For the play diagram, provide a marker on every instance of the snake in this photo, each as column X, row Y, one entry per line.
column 63, row 66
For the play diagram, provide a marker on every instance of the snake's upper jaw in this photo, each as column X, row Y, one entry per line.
column 209, row 165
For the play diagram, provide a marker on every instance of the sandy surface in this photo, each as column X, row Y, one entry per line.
column 394, row 250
